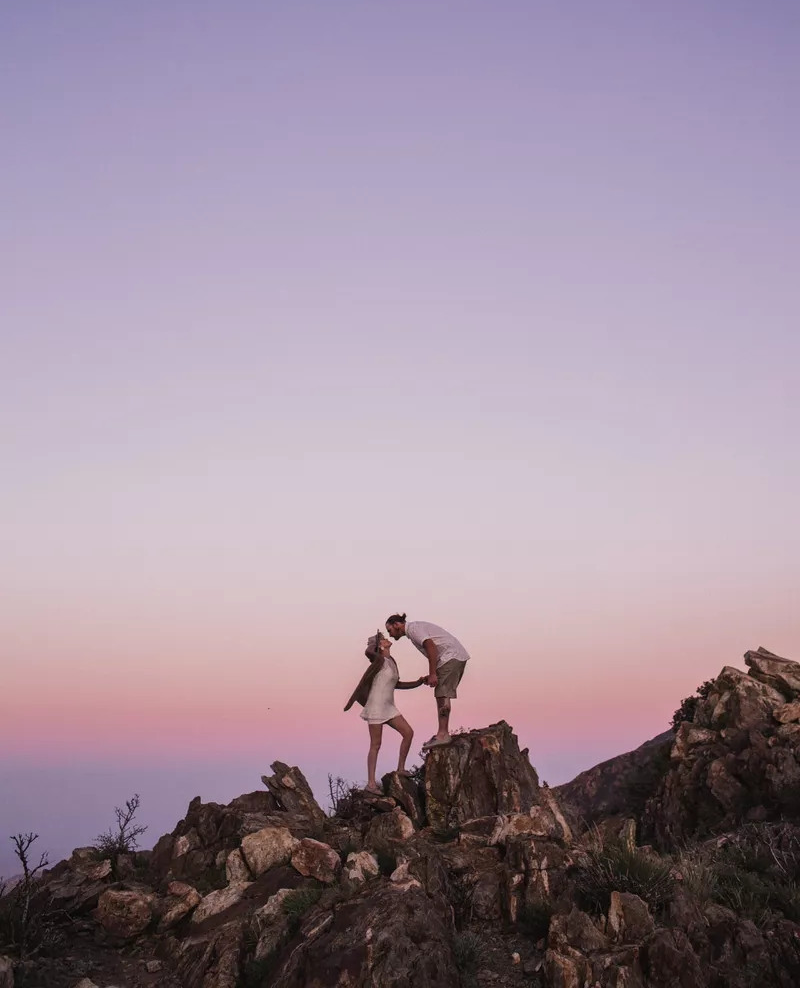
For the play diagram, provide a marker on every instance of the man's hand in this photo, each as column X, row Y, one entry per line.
column 432, row 653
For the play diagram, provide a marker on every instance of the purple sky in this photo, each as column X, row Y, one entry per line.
column 311, row 311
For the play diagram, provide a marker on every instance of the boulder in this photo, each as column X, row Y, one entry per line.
column 292, row 792
column 125, row 913
column 387, row 829
column 480, row 773
column 236, row 869
column 629, row 919
column 782, row 674
column 576, row 930
column 787, row 713
column 267, row 848
column 313, row 859
column 406, row 794
column 219, row 900
column 272, row 909
column 359, row 868
column 180, row 901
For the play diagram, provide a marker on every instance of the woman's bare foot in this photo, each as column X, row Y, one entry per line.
column 374, row 789
column 405, row 773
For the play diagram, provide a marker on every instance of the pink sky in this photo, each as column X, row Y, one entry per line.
column 313, row 312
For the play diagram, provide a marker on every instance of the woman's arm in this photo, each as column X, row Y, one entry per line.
column 412, row 685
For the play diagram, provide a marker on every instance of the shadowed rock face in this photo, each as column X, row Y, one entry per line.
column 618, row 787
column 478, row 774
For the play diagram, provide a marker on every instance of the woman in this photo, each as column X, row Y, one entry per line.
column 379, row 709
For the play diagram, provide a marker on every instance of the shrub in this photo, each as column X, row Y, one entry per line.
column 24, row 909
column 534, row 916
column 343, row 797
column 469, row 953
column 613, row 866
column 125, row 839
column 688, row 705
column 297, row 904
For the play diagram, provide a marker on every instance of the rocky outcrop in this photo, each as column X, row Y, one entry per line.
column 479, row 773
column 293, row 794
column 737, row 760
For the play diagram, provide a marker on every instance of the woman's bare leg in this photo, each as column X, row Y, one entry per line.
column 375, row 735
column 406, row 732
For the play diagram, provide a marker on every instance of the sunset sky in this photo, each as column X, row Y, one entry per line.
column 315, row 311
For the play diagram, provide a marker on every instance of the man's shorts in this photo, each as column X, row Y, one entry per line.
column 449, row 674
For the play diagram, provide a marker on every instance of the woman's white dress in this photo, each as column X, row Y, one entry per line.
column 380, row 703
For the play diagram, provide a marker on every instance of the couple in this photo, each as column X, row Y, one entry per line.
column 447, row 659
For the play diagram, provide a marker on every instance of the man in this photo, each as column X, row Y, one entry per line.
column 447, row 659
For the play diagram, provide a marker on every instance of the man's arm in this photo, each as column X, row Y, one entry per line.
column 433, row 657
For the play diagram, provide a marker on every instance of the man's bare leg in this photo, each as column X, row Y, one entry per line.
column 375, row 736
column 443, row 709
column 406, row 732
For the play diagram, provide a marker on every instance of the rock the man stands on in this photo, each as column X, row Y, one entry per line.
column 447, row 659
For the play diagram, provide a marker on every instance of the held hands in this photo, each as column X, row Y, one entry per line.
column 432, row 679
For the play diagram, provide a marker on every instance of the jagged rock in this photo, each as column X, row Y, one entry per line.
column 210, row 961
column 181, row 900
column 566, row 969
column 782, row 674
column 290, row 789
column 236, row 869
column 406, row 794
column 219, row 900
column 387, row 829
column 669, row 961
column 480, row 773
column 125, row 913
column 389, row 936
column 737, row 700
column 313, row 859
column 629, row 918
column 359, row 868
column 576, row 930
column 267, row 849
column 272, row 908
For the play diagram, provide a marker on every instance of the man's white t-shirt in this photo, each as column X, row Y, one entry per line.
column 447, row 646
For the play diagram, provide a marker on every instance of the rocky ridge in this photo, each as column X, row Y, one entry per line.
column 472, row 874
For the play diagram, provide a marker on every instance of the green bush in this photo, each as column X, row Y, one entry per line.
column 534, row 916
column 615, row 867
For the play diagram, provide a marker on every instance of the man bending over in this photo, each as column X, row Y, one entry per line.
column 447, row 659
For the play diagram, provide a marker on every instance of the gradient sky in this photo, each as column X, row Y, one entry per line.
column 314, row 311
